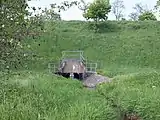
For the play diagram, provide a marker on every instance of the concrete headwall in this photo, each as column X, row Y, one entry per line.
column 73, row 66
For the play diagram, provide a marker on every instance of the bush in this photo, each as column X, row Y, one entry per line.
column 147, row 16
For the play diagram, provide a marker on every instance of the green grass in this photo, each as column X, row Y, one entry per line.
column 129, row 44
column 126, row 51
column 135, row 93
column 32, row 96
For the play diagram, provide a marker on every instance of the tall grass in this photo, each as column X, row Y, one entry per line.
column 126, row 51
column 33, row 96
column 121, row 44
column 135, row 93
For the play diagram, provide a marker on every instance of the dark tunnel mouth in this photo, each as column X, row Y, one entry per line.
column 78, row 76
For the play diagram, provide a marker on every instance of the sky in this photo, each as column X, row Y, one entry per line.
column 75, row 14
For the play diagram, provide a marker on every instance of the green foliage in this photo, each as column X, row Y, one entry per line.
column 139, row 9
column 158, row 3
column 111, row 47
column 82, row 5
column 16, row 24
column 147, row 16
column 158, row 6
column 100, row 72
column 98, row 10
column 135, row 94
column 41, row 96
column 12, row 30
column 128, row 51
column 50, row 15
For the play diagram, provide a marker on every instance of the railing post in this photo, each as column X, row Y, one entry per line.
column 54, row 68
column 49, row 67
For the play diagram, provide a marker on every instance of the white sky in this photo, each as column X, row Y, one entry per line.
column 75, row 14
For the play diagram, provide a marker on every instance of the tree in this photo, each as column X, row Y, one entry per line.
column 117, row 9
column 82, row 5
column 138, row 10
column 17, row 23
column 13, row 26
column 98, row 10
column 147, row 16
column 157, row 7
column 158, row 3
column 50, row 14
column 66, row 5
column 133, row 16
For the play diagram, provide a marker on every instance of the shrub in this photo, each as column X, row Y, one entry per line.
column 147, row 16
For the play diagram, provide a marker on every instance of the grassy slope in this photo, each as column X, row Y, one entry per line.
column 135, row 93
column 119, row 48
column 125, row 48
column 37, row 95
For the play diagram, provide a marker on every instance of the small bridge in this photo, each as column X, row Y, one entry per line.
column 73, row 65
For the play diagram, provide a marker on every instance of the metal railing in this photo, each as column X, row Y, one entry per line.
column 90, row 67
column 72, row 54
column 53, row 67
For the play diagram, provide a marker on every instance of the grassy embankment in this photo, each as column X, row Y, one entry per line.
column 128, row 52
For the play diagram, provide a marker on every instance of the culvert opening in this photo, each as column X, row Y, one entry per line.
column 78, row 76
column 66, row 75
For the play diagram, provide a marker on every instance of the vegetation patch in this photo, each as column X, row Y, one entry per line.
column 126, row 51
column 48, row 97
column 136, row 94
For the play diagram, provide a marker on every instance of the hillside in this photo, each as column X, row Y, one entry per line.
column 118, row 48
column 126, row 51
